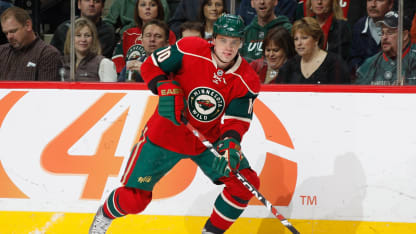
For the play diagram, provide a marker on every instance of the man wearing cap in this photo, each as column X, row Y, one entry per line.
column 214, row 89
column 366, row 35
column 380, row 69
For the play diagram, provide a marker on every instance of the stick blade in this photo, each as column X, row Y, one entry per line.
column 293, row 229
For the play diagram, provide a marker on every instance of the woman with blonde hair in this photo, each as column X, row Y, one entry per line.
column 312, row 65
column 90, row 65
column 337, row 32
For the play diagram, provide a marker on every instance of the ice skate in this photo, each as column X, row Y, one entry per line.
column 204, row 231
column 100, row 223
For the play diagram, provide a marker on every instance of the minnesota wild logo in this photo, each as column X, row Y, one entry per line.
column 134, row 52
column 205, row 104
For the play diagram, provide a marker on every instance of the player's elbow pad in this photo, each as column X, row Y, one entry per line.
column 152, row 85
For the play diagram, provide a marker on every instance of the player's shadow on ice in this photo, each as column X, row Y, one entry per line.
column 339, row 196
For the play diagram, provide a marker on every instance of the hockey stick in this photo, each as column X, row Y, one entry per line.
column 242, row 179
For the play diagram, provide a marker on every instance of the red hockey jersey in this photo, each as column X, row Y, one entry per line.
column 130, row 47
column 218, row 101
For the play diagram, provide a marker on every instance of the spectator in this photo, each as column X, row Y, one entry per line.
column 356, row 9
column 256, row 31
column 3, row 6
column 351, row 9
column 337, row 32
column 209, row 12
column 187, row 10
column 366, row 35
column 155, row 36
column 381, row 68
column 90, row 65
column 130, row 47
column 26, row 56
column 121, row 14
column 192, row 29
column 277, row 49
column 91, row 9
column 312, row 65
column 284, row 7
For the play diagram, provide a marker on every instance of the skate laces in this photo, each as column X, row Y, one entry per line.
column 101, row 224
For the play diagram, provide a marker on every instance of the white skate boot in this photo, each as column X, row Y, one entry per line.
column 100, row 223
column 204, row 231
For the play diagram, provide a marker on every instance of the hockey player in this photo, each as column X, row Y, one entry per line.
column 210, row 82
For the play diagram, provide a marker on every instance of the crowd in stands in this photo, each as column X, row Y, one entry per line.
column 285, row 41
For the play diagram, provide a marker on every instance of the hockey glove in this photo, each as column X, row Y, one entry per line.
column 171, row 100
column 231, row 156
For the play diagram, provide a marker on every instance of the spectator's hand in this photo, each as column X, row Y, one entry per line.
column 276, row 62
column 134, row 65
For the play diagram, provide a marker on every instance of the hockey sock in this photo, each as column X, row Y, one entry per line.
column 233, row 200
column 210, row 228
column 226, row 210
column 123, row 201
column 237, row 189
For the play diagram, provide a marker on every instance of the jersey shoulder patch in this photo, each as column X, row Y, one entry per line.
column 249, row 77
column 132, row 31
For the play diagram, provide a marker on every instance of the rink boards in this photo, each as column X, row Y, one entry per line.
column 332, row 159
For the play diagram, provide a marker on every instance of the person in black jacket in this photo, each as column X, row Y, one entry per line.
column 312, row 64
column 337, row 32
column 366, row 35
